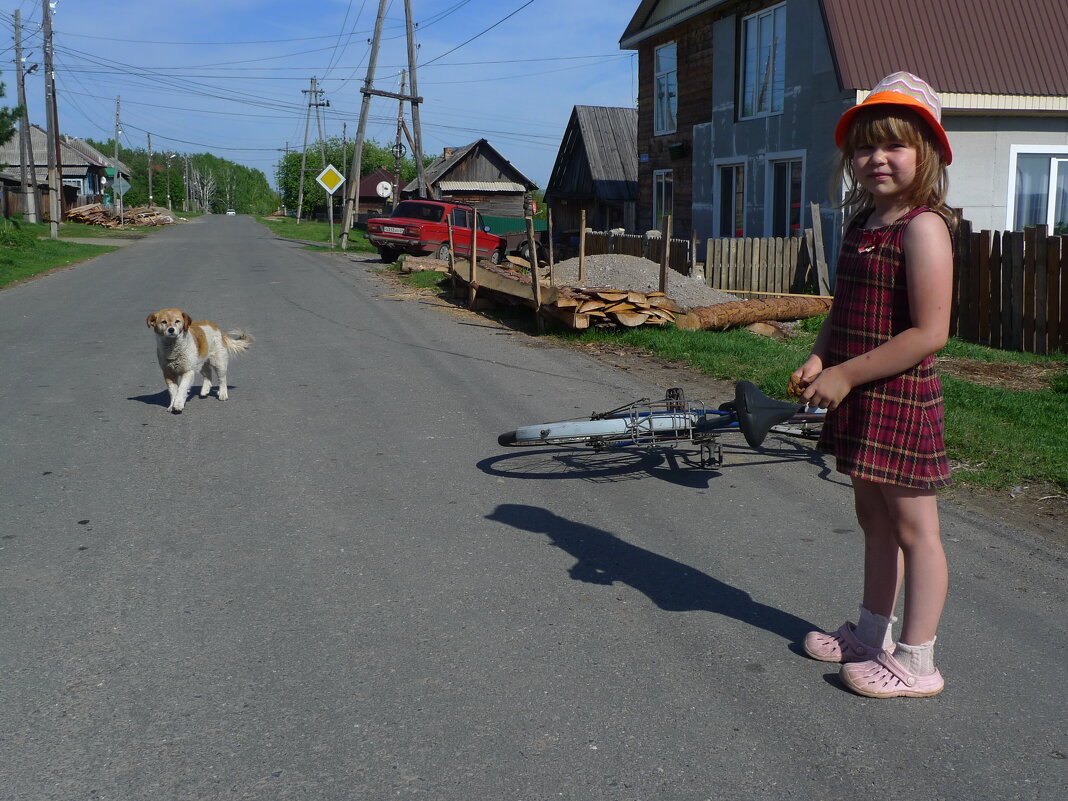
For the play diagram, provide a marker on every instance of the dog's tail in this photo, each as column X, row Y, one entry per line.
column 237, row 341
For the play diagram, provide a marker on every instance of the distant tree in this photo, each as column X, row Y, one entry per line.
column 9, row 118
column 212, row 184
column 339, row 152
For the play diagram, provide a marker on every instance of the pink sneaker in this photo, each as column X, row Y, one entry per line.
column 885, row 677
column 841, row 646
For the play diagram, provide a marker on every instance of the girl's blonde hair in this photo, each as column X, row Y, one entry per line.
column 894, row 124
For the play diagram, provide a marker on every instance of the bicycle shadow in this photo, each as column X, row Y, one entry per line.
column 602, row 558
column 681, row 466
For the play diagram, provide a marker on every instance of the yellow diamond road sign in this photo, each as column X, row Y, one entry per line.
column 330, row 179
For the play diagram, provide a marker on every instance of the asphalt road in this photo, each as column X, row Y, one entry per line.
column 337, row 586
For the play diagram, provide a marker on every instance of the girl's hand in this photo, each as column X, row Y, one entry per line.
column 828, row 389
column 807, row 373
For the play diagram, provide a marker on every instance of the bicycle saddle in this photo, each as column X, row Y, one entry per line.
column 757, row 413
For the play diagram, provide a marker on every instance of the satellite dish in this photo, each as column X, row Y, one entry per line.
column 384, row 189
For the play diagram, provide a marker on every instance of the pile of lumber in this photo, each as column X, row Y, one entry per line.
column 96, row 214
column 613, row 306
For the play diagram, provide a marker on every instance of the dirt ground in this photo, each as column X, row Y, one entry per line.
column 1041, row 509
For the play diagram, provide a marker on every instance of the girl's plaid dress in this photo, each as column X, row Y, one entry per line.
column 889, row 431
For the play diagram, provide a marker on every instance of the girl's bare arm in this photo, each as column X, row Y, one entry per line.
column 929, row 267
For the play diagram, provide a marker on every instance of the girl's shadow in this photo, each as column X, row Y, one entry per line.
column 603, row 558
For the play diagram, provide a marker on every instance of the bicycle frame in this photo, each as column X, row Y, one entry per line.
column 672, row 421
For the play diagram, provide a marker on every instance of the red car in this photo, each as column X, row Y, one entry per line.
column 420, row 227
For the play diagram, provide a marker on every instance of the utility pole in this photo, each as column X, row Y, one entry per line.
column 149, row 165
column 314, row 93
column 398, row 147
column 26, row 162
column 352, row 191
column 115, row 194
column 415, row 101
column 55, row 164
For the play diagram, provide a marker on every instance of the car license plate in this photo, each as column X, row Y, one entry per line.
column 390, row 229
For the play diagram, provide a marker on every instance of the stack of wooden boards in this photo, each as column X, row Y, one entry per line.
column 582, row 307
column 96, row 214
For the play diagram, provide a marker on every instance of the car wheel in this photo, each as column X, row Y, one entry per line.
column 496, row 257
column 442, row 252
column 388, row 255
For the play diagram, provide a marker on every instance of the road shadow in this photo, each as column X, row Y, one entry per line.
column 603, row 558
column 163, row 398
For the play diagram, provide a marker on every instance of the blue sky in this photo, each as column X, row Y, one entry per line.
column 228, row 76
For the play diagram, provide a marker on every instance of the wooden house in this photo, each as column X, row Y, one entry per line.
column 596, row 170
column 477, row 175
column 738, row 99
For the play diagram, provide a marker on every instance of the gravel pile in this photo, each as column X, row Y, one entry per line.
column 640, row 275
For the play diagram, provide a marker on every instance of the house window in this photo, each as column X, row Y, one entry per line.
column 1038, row 192
column 665, row 100
column 732, row 200
column 662, row 196
column 763, row 68
column 786, row 197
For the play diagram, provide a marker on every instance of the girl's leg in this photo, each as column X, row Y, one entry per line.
column 914, row 516
column 882, row 554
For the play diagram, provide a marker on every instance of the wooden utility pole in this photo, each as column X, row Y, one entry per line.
column 313, row 101
column 55, row 163
column 26, row 162
column 352, row 194
column 149, row 165
column 415, row 101
column 352, row 191
column 118, row 170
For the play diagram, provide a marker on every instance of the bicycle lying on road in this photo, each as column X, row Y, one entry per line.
column 673, row 421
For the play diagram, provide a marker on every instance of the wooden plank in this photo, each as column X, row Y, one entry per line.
column 980, row 300
column 1056, row 314
column 1027, row 284
column 1040, row 343
column 1012, row 282
column 823, row 276
column 996, row 292
column 1064, row 294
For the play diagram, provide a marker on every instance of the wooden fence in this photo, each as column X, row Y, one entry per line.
column 1012, row 289
column 748, row 267
column 680, row 255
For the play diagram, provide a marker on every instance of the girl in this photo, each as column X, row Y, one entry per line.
column 872, row 369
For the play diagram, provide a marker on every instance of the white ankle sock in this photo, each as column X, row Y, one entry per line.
column 874, row 630
column 918, row 659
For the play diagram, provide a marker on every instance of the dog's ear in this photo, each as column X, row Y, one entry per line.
column 151, row 320
column 186, row 321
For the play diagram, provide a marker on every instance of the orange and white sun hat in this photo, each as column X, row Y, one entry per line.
column 902, row 89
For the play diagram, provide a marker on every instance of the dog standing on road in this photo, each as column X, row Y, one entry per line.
column 185, row 347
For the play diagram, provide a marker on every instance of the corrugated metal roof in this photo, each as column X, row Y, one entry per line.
column 480, row 186
column 1002, row 47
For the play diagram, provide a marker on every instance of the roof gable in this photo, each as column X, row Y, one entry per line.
column 462, row 164
column 599, row 145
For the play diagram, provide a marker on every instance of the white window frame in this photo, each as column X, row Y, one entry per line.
column 717, row 187
column 1054, row 153
column 769, row 187
column 658, row 200
column 777, row 83
column 669, row 106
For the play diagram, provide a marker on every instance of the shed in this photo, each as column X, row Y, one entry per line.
column 596, row 169
column 478, row 175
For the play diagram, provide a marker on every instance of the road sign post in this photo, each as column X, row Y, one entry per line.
column 331, row 180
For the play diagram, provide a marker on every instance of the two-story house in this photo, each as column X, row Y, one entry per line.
column 738, row 100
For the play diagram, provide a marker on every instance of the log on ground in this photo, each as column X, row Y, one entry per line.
column 723, row 316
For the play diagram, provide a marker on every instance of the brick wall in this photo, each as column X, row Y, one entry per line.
column 693, row 40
